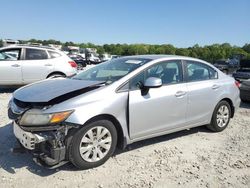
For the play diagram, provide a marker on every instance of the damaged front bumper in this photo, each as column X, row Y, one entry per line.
column 47, row 144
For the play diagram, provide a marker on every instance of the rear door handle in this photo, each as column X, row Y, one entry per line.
column 215, row 86
column 180, row 93
column 15, row 65
column 48, row 64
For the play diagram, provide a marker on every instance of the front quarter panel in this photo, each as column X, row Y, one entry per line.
column 97, row 102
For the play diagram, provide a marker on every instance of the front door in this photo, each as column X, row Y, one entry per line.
column 161, row 109
column 10, row 68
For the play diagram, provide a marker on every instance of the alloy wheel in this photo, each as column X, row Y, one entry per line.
column 222, row 116
column 95, row 144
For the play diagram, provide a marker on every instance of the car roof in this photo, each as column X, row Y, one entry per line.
column 30, row 46
column 158, row 57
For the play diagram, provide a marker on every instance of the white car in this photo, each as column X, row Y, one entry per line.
column 23, row 64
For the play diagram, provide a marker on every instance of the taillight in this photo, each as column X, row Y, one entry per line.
column 237, row 83
column 73, row 64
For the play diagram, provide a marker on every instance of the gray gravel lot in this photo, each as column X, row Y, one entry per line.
column 191, row 158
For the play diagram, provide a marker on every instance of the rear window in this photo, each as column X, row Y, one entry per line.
column 35, row 54
column 197, row 71
column 53, row 54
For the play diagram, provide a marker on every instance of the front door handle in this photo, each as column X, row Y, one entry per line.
column 48, row 64
column 180, row 93
column 15, row 65
column 215, row 86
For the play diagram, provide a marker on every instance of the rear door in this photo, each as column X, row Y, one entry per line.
column 36, row 65
column 10, row 67
column 203, row 91
column 161, row 109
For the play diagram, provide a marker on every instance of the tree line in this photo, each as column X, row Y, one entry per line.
column 208, row 53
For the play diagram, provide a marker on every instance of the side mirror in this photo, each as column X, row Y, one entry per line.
column 151, row 82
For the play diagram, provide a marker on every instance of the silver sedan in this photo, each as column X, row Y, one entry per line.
column 84, row 118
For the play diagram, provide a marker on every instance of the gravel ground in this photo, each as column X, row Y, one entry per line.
column 191, row 158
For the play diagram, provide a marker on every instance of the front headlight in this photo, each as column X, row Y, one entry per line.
column 37, row 117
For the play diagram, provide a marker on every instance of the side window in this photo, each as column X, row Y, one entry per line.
column 170, row 72
column 35, row 54
column 213, row 74
column 197, row 71
column 10, row 55
column 53, row 54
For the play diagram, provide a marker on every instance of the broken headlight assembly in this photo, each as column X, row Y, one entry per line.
column 38, row 117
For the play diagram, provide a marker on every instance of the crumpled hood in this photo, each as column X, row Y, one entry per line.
column 48, row 90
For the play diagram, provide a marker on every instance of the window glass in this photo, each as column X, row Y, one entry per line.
column 35, row 54
column 53, row 54
column 113, row 70
column 197, row 71
column 10, row 55
column 170, row 72
column 213, row 74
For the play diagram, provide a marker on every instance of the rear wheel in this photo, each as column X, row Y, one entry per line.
column 221, row 117
column 93, row 144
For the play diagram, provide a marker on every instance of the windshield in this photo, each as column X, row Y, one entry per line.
column 111, row 71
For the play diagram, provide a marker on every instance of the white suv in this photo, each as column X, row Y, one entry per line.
column 23, row 64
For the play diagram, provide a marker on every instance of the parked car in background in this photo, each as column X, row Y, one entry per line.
column 115, row 56
column 244, row 72
column 92, row 58
column 9, row 42
column 84, row 118
column 245, row 90
column 79, row 61
column 24, row 64
column 105, row 57
column 227, row 66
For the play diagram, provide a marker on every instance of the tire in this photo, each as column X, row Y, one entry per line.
column 56, row 76
column 220, row 118
column 89, row 154
column 79, row 66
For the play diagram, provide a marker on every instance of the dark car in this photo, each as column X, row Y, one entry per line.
column 244, row 72
column 245, row 91
column 79, row 61
column 227, row 66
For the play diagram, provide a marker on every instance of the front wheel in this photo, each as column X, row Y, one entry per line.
column 93, row 144
column 221, row 117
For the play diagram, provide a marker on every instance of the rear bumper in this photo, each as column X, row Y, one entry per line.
column 237, row 103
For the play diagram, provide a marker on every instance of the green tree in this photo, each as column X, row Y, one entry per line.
column 246, row 47
column 182, row 51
